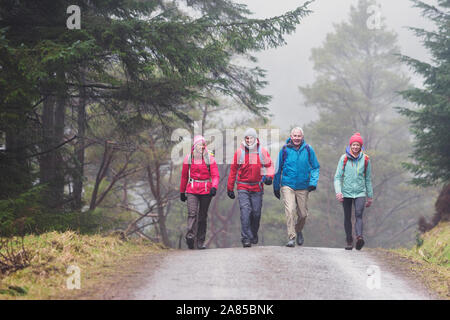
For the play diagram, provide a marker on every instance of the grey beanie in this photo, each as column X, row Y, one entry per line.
column 250, row 132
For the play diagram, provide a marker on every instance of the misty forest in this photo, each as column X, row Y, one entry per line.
column 88, row 115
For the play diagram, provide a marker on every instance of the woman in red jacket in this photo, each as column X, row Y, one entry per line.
column 199, row 181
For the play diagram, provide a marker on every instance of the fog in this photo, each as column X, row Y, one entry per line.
column 289, row 67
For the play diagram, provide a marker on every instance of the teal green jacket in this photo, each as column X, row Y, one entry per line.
column 352, row 183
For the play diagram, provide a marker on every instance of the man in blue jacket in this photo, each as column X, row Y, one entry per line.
column 297, row 175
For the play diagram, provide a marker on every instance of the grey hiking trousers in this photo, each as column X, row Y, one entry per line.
column 359, row 210
column 250, row 203
column 198, row 205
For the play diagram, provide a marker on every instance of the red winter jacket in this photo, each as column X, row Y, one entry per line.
column 199, row 171
column 250, row 171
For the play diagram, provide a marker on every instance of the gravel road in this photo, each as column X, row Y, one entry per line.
column 260, row 273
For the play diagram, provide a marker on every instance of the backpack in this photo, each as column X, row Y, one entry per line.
column 208, row 165
column 241, row 160
column 366, row 163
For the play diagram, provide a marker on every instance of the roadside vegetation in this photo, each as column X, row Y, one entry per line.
column 51, row 254
column 429, row 259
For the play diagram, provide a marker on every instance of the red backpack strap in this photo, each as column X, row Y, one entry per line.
column 345, row 163
column 366, row 163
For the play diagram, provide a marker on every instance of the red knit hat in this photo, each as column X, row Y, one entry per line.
column 356, row 138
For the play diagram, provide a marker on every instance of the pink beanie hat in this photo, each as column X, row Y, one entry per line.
column 199, row 139
column 356, row 138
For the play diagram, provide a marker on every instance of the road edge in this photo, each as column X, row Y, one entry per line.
column 409, row 270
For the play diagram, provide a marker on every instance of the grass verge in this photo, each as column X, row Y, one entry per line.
column 52, row 255
column 429, row 260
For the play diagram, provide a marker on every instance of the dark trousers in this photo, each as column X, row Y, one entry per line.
column 359, row 209
column 250, row 203
column 198, row 205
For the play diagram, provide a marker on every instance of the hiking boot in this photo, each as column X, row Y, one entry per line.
column 300, row 238
column 349, row 245
column 190, row 243
column 254, row 240
column 291, row 243
column 201, row 246
column 359, row 243
column 246, row 244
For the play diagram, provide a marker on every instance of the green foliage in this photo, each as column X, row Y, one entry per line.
column 26, row 214
column 430, row 120
column 17, row 216
column 14, row 291
column 170, row 55
column 432, row 247
column 136, row 63
column 419, row 240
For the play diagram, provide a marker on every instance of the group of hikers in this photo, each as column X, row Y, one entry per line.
column 296, row 176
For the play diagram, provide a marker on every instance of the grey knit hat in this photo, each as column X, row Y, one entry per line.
column 250, row 132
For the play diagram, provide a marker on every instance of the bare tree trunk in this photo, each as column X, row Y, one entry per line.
column 80, row 146
column 155, row 186
column 108, row 156
column 163, row 227
column 125, row 193
column 106, row 161
column 60, row 111
column 51, row 162
column 47, row 160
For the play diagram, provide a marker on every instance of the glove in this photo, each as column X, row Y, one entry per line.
column 213, row 192
column 231, row 194
column 311, row 188
column 277, row 193
column 268, row 181
column 183, row 197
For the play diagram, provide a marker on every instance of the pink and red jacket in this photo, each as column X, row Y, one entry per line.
column 196, row 178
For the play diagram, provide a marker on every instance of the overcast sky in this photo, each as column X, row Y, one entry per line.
column 289, row 67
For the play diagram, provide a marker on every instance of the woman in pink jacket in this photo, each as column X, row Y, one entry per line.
column 199, row 181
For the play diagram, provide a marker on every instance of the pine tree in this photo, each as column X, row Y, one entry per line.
column 430, row 119
column 140, row 62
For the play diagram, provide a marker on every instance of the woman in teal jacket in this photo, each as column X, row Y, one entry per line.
column 353, row 183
